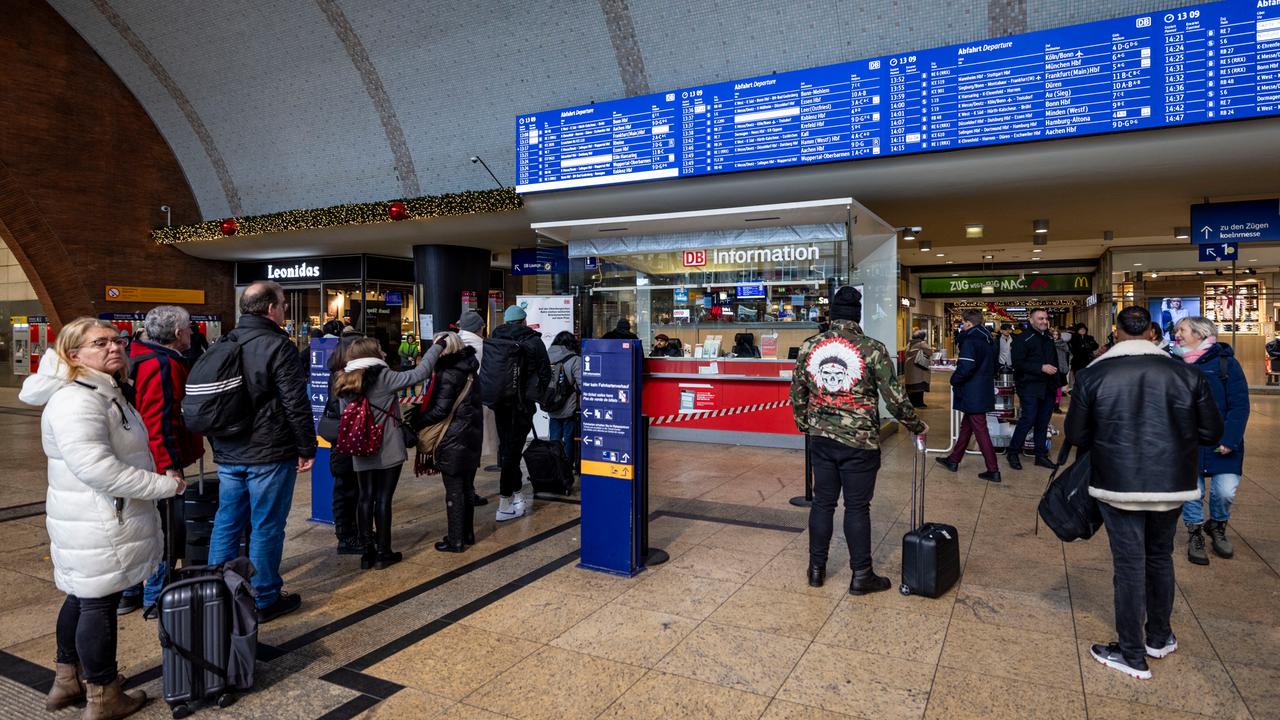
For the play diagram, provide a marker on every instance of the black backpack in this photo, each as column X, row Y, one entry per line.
column 1066, row 506
column 500, row 372
column 556, row 395
column 218, row 403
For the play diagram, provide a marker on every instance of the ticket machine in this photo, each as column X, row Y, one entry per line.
column 40, row 337
column 21, row 345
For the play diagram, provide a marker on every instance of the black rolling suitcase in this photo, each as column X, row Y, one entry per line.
column 550, row 470
column 208, row 630
column 930, row 551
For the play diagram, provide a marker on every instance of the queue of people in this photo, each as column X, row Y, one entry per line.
column 117, row 447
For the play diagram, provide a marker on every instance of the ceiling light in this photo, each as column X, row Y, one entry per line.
column 1155, row 274
column 1253, row 259
column 949, row 262
column 988, row 257
column 1035, row 272
column 925, row 246
column 1037, row 258
column 973, row 231
column 955, row 274
column 1108, row 236
column 1199, row 272
column 1040, row 226
column 1037, row 250
column 1137, row 264
column 1182, row 233
column 942, row 254
column 909, row 233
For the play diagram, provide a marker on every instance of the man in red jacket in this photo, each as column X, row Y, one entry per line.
column 159, row 374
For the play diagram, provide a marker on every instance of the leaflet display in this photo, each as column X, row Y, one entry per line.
column 1204, row 63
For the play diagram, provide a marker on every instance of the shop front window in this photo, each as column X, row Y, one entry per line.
column 389, row 316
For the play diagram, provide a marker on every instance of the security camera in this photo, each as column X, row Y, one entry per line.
column 474, row 159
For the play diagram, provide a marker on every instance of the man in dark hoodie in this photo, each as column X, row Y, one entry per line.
column 622, row 331
column 513, row 349
column 973, row 388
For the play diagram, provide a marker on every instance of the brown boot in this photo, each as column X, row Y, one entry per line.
column 108, row 702
column 66, row 690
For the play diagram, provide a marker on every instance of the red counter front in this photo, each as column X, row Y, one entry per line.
column 727, row 400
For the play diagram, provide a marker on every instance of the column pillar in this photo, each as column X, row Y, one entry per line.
column 441, row 273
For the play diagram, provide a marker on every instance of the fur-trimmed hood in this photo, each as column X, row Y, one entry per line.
column 1129, row 348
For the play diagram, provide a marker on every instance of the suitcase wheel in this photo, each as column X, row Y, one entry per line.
column 226, row 699
column 904, row 589
column 180, row 710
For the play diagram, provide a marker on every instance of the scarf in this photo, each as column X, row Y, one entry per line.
column 362, row 363
column 1191, row 356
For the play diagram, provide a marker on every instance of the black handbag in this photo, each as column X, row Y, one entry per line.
column 327, row 427
column 1066, row 506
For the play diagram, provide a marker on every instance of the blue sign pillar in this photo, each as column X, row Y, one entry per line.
column 321, row 478
column 614, row 483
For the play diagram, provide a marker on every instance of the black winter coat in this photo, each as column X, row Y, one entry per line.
column 283, row 429
column 1143, row 416
column 974, row 381
column 1030, row 351
column 459, row 449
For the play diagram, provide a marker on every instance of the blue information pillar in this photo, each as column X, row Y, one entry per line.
column 321, row 478
column 614, row 487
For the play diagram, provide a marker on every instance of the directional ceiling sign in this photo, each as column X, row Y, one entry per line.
column 1232, row 222
column 1219, row 252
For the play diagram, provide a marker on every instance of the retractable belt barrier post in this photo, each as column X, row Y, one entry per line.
column 807, row 499
column 614, row 450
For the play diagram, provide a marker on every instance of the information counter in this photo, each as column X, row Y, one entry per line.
column 737, row 401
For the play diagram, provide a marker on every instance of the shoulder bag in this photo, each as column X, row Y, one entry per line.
column 1066, row 506
column 429, row 437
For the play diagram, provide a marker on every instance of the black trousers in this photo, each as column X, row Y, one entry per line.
column 1037, row 408
column 373, row 516
column 839, row 468
column 514, row 424
column 86, row 633
column 1142, row 559
column 459, row 493
column 346, row 498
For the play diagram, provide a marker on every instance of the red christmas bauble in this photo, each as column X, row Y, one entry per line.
column 397, row 211
column 229, row 226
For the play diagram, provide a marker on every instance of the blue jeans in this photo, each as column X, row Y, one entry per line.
column 563, row 430
column 260, row 495
column 1222, row 492
column 150, row 590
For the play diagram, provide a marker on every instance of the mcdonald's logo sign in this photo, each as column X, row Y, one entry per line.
column 1081, row 281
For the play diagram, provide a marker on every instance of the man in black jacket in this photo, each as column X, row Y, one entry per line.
column 1142, row 416
column 1037, row 377
column 257, row 470
column 973, row 384
column 514, row 417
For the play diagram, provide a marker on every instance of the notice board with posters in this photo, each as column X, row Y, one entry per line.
column 549, row 315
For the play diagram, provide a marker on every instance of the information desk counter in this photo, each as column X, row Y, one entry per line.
column 735, row 401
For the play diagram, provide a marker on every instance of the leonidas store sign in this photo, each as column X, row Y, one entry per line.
column 1064, row 284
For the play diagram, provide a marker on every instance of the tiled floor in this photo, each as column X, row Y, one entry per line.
column 728, row 628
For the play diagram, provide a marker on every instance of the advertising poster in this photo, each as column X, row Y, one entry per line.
column 1168, row 311
column 549, row 315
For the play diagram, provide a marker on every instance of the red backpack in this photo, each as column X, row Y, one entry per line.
column 358, row 434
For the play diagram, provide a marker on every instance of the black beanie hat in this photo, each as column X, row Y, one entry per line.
column 846, row 304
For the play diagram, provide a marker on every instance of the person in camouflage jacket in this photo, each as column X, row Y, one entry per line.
column 839, row 377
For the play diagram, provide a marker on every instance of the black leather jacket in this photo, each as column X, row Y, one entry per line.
column 1143, row 416
column 1031, row 350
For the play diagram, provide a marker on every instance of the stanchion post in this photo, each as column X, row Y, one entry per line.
column 807, row 499
column 650, row 555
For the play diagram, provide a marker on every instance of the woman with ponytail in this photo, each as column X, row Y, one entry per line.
column 366, row 375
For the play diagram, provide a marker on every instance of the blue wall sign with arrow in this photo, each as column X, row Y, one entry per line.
column 1219, row 252
column 1232, row 222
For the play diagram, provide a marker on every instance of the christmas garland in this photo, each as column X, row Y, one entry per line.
column 464, row 203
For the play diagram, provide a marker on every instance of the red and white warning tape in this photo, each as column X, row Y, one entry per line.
column 686, row 417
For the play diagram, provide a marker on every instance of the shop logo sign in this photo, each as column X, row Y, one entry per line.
column 695, row 258
column 301, row 270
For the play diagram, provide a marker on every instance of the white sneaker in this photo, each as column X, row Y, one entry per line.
column 1163, row 650
column 519, row 505
column 506, row 509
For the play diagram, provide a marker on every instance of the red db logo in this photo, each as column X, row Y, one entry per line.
column 695, row 258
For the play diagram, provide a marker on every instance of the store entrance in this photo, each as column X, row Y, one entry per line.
column 302, row 312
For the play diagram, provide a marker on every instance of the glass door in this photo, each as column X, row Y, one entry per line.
column 302, row 314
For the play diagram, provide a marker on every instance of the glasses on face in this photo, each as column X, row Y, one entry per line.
column 102, row 342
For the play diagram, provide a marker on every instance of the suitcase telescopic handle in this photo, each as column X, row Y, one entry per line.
column 917, row 475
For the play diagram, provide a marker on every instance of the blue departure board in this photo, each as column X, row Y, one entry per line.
column 1205, row 63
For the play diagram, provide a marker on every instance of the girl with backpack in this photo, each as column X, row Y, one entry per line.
column 562, row 397
column 372, row 432
column 453, row 408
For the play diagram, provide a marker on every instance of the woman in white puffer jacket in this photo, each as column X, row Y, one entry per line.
column 104, row 529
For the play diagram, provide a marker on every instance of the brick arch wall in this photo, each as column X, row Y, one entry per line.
column 83, row 173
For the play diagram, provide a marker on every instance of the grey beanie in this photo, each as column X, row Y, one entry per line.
column 471, row 322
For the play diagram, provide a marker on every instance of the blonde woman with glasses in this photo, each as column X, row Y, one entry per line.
column 104, row 530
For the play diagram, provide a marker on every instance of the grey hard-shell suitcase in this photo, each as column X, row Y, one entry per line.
column 208, row 633
column 930, row 551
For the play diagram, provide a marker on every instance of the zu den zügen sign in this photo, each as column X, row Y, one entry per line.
column 1066, row 284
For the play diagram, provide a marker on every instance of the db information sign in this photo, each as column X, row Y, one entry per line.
column 1233, row 222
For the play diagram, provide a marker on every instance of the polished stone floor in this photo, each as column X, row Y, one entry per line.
column 727, row 628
